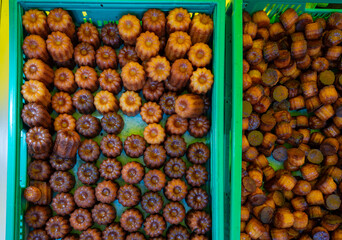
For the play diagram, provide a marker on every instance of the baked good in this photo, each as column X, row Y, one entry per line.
column 66, row 143
column 86, row 77
column 199, row 126
column 63, row 204
column 35, row 91
column 154, row 133
column 80, row 219
column 178, row 20
column 64, row 80
column 40, row 234
column 113, row 231
column 39, row 170
column 84, row 54
column 201, row 28
column 127, row 54
column 32, row 194
column 133, row 76
column 152, row 202
column 134, row 146
column 88, row 33
column 89, row 150
column 34, row 46
column 175, row 146
column 152, row 91
column 200, row 55
column 84, row 197
column 177, row 45
column 39, row 143
column 176, row 125
column 154, row 156
column 196, row 175
column 111, row 145
column 151, row 113
column 34, row 22
column 45, row 192
column 154, row 21
column 198, row 153
column 71, row 237
column 91, row 233
column 158, row 69
column 147, row 45
column 103, row 214
column 167, row 102
column 130, row 103
column 64, row 121
column 60, row 20
column 174, row 212
column 110, row 169
column 177, row 232
column 60, row 47
column 198, row 221
column 129, row 195
column 106, row 191
column 132, row 172
column 106, row 58
column 135, row 236
column 198, row 237
column 175, row 168
column 62, row 103
column 88, row 126
column 175, row 190
column 105, row 102
column 36, row 216
column 110, row 80
column 35, row 115
column 201, row 81
column 57, row 227
column 110, row 35
column 88, row 173
column 83, row 101
column 61, row 164
column 189, row 106
column 154, row 180
column 181, row 72
column 197, row 198
column 154, row 225
column 61, row 181
column 112, row 123
column 131, row 220
column 129, row 28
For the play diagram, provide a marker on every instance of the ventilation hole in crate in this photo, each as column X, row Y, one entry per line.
column 101, row 5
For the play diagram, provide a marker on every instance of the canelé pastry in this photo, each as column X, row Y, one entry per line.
column 35, row 115
column 39, row 142
column 177, row 45
column 154, row 21
column 200, row 55
column 135, row 236
column 35, row 91
column 111, row 146
column 112, row 123
column 198, row 237
column 176, row 125
column 60, row 20
column 61, row 181
column 63, row 204
column 133, row 76
column 84, row 54
column 32, row 194
column 197, row 198
column 132, row 172
column 34, row 22
column 62, row 103
column 110, row 169
column 106, row 58
column 110, row 80
column 88, row 126
column 154, row 180
column 129, row 28
column 105, row 102
column 80, row 219
column 154, row 225
column 174, row 212
column 158, row 69
column 134, row 146
column 152, row 91
column 39, row 170
column 113, row 231
column 196, row 175
column 83, row 101
column 172, row 88
column 67, row 64
column 71, row 237
column 152, row 202
column 199, row 126
column 57, row 227
column 181, row 72
column 198, row 153
column 106, row 191
column 84, row 197
column 64, row 121
column 175, row 146
column 178, row 20
column 88, row 173
column 40, row 234
column 151, row 113
column 127, row 54
column 61, row 164
column 64, row 80
column 91, row 233
column 103, row 214
column 201, row 81
column 147, row 45
column 130, row 103
column 60, row 47
column 34, row 46
column 129, row 195
column 86, row 77
column 175, row 190
column 110, row 35
column 189, row 106
column 36, row 216
column 201, row 28
column 66, row 143
column 198, row 221
column 88, row 33
column 167, row 102
column 89, row 150
column 131, row 220
column 154, row 156
column 45, row 192
column 154, row 133
column 177, row 232
column 175, row 168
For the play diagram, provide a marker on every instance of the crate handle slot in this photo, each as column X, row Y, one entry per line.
column 23, row 160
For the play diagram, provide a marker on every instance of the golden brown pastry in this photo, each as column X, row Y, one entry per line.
column 66, row 143
column 147, row 45
column 60, row 47
column 64, row 121
column 34, row 22
column 181, row 72
column 129, row 28
column 201, row 81
column 86, row 77
column 133, row 76
column 177, row 45
column 158, row 69
column 39, row 142
column 34, row 46
column 88, row 33
column 127, row 54
column 84, row 54
column 36, row 69
column 34, row 91
column 201, row 28
column 35, row 115
column 189, row 106
column 200, row 55
column 152, row 91
column 60, row 20
column 110, row 80
column 130, row 103
column 154, row 133
column 62, row 103
column 106, row 102
column 151, row 113
column 64, row 80
column 178, row 20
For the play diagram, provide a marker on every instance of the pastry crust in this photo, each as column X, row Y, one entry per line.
column 177, row 45
column 129, row 28
column 60, row 47
column 174, row 212
column 201, row 81
column 60, row 20
column 154, row 133
column 81, row 219
column 178, row 20
column 84, row 54
column 86, row 77
column 158, row 69
column 127, row 54
column 154, row 156
column 152, row 91
column 61, row 181
column 88, row 33
column 110, row 169
column 34, row 46
column 110, row 35
column 133, row 76
column 106, row 102
column 130, row 103
column 201, row 28
column 64, row 121
column 39, row 143
column 106, row 58
column 132, row 172
column 35, row 115
column 175, row 190
column 83, row 101
column 181, row 72
column 154, row 21
column 84, row 197
column 111, row 146
column 200, row 55
column 34, row 91
column 129, row 195
column 64, row 80
column 110, row 80
column 151, row 113
column 66, row 143
column 131, row 220
column 154, row 225
column 88, row 173
column 60, row 223
column 34, row 22
column 62, row 103
column 147, row 45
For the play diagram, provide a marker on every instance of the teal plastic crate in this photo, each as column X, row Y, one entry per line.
column 99, row 12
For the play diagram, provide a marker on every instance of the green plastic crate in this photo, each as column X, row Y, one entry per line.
column 99, row 12
column 233, row 89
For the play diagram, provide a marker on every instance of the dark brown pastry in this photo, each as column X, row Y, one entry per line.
column 176, row 125
column 197, row 198
column 89, row 150
column 62, row 164
column 39, row 142
column 32, row 194
column 86, row 77
column 110, row 80
column 175, row 190
column 175, row 146
column 88, row 126
column 198, row 153
column 154, row 133
column 199, row 126
column 152, row 91
column 64, row 122
column 112, row 123
column 113, row 231
column 63, row 204
column 106, row 58
column 84, row 197
column 152, row 202
column 62, row 181
column 67, row 64
column 35, row 115
column 131, row 220
column 151, row 113
column 132, row 172
column 175, row 168
column 60, row 47
column 129, row 195
column 62, row 103
column 84, row 54
column 103, row 214
column 60, row 20
column 34, row 46
column 154, row 156
column 57, row 227
column 64, row 80
column 45, row 192
column 155, row 180
column 39, row 234
column 167, row 102
column 177, row 232
column 91, row 233
column 81, row 219
column 174, row 212
column 36, row 216
column 134, row 146
column 39, row 170
column 110, row 169
column 71, row 237
column 106, row 191
column 135, row 236
column 83, row 101
column 34, row 22
column 127, row 54
column 88, row 173
column 66, row 143
column 111, row 146
column 154, row 225
column 207, row 103
column 198, row 221
column 88, row 33
column 154, row 21
column 110, row 35
column 196, row 175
